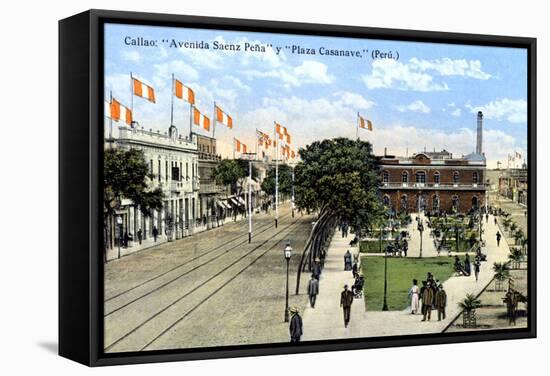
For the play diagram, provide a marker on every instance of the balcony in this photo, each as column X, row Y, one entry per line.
column 176, row 186
column 432, row 186
column 210, row 186
column 196, row 184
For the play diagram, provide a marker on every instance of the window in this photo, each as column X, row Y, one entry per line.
column 160, row 174
column 187, row 170
column 421, row 177
column 474, row 177
column 151, row 166
column 166, row 170
column 405, row 177
column 435, row 202
column 455, row 203
column 437, row 177
column 456, row 177
column 404, row 203
column 386, row 200
column 385, row 177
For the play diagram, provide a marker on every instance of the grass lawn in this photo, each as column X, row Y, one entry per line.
column 401, row 272
column 372, row 246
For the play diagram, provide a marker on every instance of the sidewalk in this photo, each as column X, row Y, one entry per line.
column 325, row 321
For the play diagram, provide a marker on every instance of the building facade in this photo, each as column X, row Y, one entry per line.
column 512, row 184
column 174, row 164
column 433, row 182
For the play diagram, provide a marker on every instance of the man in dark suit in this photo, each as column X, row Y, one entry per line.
column 346, row 300
column 313, row 290
column 428, row 297
column 295, row 325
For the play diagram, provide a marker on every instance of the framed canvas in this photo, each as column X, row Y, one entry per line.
column 239, row 187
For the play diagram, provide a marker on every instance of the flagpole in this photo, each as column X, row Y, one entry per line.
column 257, row 143
column 357, row 126
column 132, row 98
column 191, row 122
column 214, row 122
column 172, row 102
column 110, row 120
column 276, row 179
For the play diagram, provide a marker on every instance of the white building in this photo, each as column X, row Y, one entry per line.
column 173, row 161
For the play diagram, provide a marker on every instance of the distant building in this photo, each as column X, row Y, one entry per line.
column 512, row 183
column 422, row 182
column 435, row 181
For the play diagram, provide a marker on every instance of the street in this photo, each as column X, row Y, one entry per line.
column 210, row 289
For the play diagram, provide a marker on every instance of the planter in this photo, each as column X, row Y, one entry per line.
column 469, row 319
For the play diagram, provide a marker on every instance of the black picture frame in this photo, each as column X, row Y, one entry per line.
column 80, row 166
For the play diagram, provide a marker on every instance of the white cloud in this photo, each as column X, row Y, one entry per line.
column 309, row 72
column 452, row 67
column 457, row 112
column 132, row 56
column 511, row 110
column 416, row 106
column 387, row 73
column 418, row 74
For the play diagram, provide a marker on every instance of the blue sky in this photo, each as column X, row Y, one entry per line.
column 428, row 98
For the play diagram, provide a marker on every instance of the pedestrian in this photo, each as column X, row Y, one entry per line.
column 155, row 233
column 440, row 302
column 346, row 300
column 405, row 247
column 313, row 290
column 296, row 325
column 477, row 266
column 140, row 235
column 347, row 260
column 498, row 238
column 421, row 295
column 427, row 301
column 486, row 217
column 354, row 269
column 126, row 239
column 414, row 292
column 467, row 266
column 317, row 269
column 496, row 220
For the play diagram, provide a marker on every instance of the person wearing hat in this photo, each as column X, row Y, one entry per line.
column 440, row 302
column 346, row 299
column 313, row 290
column 317, row 269
column 295, row 325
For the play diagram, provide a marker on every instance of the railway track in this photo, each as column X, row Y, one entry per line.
column 145, row 332
column 126, row 302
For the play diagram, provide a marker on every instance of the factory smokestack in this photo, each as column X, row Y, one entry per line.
column 479, row 132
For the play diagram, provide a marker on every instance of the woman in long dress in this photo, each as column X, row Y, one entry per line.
column 414, row 293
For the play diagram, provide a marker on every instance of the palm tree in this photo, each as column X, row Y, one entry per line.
column 515, row 257
column 468, row 307
column 502, row 272
column 518, row 235
column 513, row 227
column 506, row 223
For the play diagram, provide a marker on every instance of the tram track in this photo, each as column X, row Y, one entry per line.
column 181, row 298
column 261, row 230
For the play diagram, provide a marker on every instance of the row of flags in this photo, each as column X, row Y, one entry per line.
column 513, row 157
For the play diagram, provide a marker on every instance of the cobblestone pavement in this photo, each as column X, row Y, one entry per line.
column 325, row 321
column 211, row 289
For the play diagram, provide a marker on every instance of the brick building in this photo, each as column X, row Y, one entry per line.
column 435, row 180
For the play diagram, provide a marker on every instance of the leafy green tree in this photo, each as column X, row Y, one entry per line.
column 126, row 175
column 233, row 172
column 285, row 180
column 338, row 176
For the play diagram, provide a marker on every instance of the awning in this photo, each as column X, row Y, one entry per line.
column 235, row 202
column 241, row 200
column 221, row 204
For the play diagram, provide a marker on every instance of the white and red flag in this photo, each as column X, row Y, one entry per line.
column 116, row 111
column 143, row 90
column 280, row 130
column 365, row 123
column 239, row 146
column 183, row 92
column 222, row 117
column 201, row 120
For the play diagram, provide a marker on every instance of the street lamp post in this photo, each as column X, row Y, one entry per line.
column 250, row 156
column 287, row 254
column 385, row 306
column 421, row 230
column 119, row 228
column 293, row 191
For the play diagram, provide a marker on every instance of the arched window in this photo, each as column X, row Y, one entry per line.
column 385, row 177
column 456, row 203
column 437, row 177
column 475, row 203
column 404, row 203
column 435, row 202
column 456, row 177
column 405, row 177
column 421, row 177
column 474, row 177
column 386, row 200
